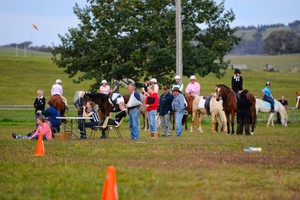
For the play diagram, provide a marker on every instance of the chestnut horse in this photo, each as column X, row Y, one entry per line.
column 59, row 105
column 230, row 106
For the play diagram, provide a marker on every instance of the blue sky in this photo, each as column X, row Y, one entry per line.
column 54, row 17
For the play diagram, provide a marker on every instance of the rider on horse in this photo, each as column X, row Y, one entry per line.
column 57, row 89
column 237, row 82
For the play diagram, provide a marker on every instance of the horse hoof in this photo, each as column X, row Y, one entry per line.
column 252, row 133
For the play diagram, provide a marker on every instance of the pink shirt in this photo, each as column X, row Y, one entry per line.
column 193, row 88
column 43, row 128
column 104, row 89
column 56, row 89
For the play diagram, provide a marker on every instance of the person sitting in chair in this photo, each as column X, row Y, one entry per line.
column 115, row 121
column 88, row 111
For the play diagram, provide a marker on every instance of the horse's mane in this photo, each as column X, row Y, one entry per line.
column 223, row 85
column 96, row 95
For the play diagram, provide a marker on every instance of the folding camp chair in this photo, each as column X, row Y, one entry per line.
column 96, row 128
column 116, row 127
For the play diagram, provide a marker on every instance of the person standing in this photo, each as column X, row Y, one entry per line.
column 88, row 111
column 152, row 106
column 237, row 81
column 178, row 108
column 178, row 83
column 243, row 114
column 133, row 107
column 145, row 85
column 57, row 89
column 104, row 88
column 268, row 95
column 193, row 88
column 39, row 104
column 284, row 102
column 164, row 110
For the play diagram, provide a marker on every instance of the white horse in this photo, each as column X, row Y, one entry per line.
column 216, row 110
column 265, row 107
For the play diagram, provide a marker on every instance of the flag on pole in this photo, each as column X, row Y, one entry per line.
column 35, row 27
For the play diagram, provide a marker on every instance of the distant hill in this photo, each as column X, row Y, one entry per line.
column 252, row 37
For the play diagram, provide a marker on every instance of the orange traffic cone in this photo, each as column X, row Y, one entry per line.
column 110, row 191
column 39, row 150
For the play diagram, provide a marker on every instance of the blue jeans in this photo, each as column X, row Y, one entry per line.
column 152, row 121
column 86, row 124
column 134, row 124
column 178, row 121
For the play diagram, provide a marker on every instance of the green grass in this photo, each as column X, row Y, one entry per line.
column 196, row 166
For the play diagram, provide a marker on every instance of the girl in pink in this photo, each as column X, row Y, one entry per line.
column 43, row 129
column 104, row 88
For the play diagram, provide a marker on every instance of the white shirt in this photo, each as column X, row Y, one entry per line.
column 56, row 89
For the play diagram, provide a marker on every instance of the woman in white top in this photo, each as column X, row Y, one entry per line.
column 104, row 88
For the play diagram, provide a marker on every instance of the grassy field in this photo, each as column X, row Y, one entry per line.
column 195, row 166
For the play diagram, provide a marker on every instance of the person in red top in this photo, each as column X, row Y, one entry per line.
column 152, row 106
column 43, row 128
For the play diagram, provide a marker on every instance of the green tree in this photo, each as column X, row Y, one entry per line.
column 136, row 38
column 281, row 42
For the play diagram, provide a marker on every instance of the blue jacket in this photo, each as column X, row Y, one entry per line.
column 165, row 103
column 52, row 113
column 178, row 103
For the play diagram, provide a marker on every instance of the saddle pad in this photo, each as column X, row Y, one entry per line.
column 201, row 103
column 267, row 104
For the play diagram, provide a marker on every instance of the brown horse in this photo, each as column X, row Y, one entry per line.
column 59, row 105
column 230, row 106
column 102, row 100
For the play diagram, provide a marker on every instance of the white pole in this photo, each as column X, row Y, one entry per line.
column 17, row 50
column 178, row 38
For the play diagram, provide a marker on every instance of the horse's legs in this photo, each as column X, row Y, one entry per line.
column 270, row 120
column 228, row 121
column 192, row 123
column 253, row 120
column 200, row 117
column 232, row 122
column 214, row 122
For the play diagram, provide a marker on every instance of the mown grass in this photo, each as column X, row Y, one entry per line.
column 195, row 166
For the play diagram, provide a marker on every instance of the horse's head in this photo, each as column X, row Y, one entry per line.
column 222, row 91
column 189, row 99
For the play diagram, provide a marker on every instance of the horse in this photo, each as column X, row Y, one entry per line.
column 216, row 110
column 105, row 106
column 265, row 107
column 297, row 100
column 59, row 105
column 230, row 106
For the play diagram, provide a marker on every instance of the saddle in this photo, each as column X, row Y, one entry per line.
column 207, row 103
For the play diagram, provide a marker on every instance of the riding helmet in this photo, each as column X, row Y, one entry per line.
column 268, row 83
column 177, row 77
column 58, row 81
column 237, row 71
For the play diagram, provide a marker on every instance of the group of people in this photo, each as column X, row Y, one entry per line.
column 163, row 106
column 243, row 104
column 46, row 115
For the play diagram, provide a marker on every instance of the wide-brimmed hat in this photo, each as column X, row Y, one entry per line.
column 193, row 77
column 175, row 89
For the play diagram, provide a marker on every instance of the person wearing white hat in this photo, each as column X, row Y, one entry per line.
column 57, row 89
column 104, row 88
column 178, row 83
column 193, row 88
column 153, row 82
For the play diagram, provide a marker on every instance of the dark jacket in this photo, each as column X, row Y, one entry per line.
column 165, row 103
column 243, row 106
column 39, row 104
column 237, row 83
column 51, row 113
